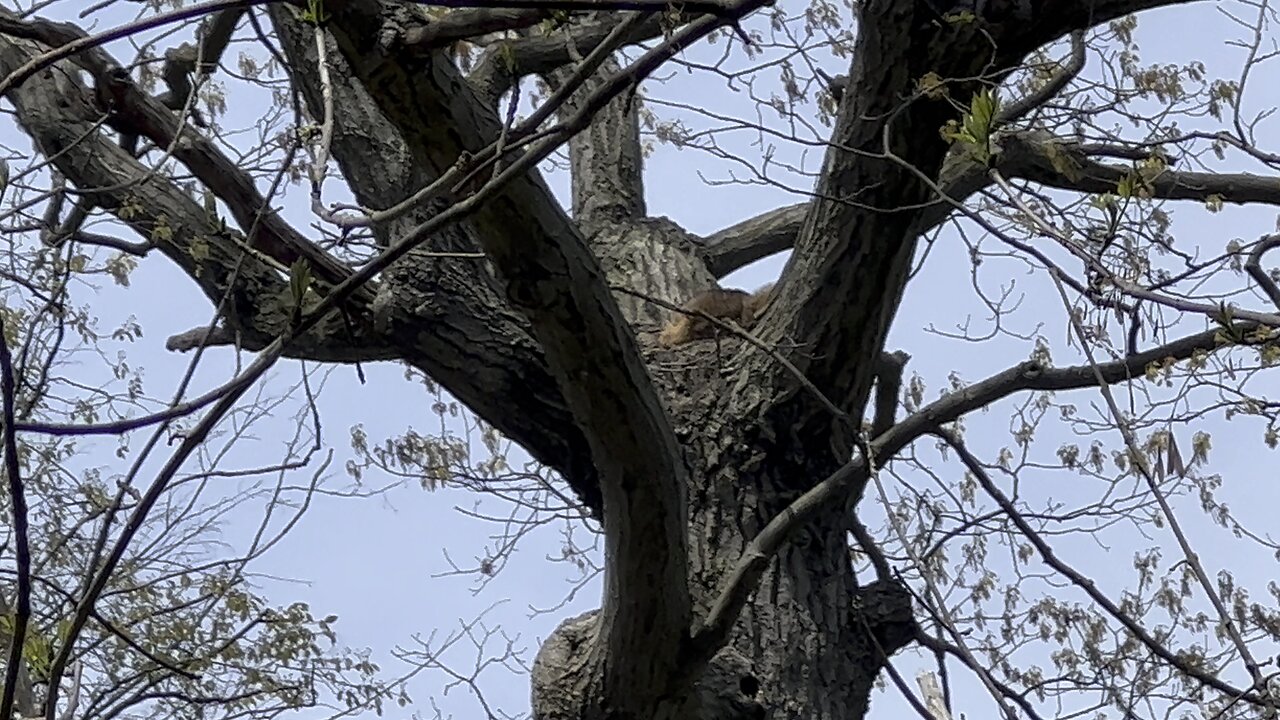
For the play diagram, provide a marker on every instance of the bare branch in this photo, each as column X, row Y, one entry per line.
column 134, row 111
column 553, row 277
column 1061, row 164
column 847, row 483
column 83, row 42
column 193, row 439
column 1086, row 584
column 1019, row 109
column 1034, row 156
column 1188, row 554
column 1254, row 266
column 14, row 663
column 750, row 240
column 503, row 63
column 54, row 109
column 471, row 22
column 448, row 315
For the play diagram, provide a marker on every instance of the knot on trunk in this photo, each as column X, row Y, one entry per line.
column 883, row 609
column 566, row 681
column 729, row 689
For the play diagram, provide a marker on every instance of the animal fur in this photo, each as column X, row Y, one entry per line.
column 723, row 304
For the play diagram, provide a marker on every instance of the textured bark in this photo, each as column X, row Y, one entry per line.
column 550, row 273
column 447, row 316
column 846, row 277
column 605, row 159
column 650, row 256
column 498, row 70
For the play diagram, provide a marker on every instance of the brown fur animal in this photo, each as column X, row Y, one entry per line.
column 731, row 304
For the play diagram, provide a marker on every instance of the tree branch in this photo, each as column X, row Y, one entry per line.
column 504, row 63
column 888, row 386
column 55, row 110
column 187, row 59
column 1020, row 108
column 1027, row 155
column 14, row 673
column 469, row 23
column 447, row 316
column 1066, row 165
column 846, row 484
column 1090, row 588
column 843, row 283
column 607, row 163
column 132, row 110
column 761, row 236
column 552, row 276
column 1254, row 267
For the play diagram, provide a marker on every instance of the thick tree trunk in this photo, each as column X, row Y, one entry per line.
column 807, row 643
column 811, row 642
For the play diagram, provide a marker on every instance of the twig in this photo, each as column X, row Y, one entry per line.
column 1139, row 461
column 938, row 601
column 45, row 60
column 519, row 136
column 1015, row 111
column 21, row 530
column 1254, row 267
column 849, row 480
column 193, row 440
column 1081, row 581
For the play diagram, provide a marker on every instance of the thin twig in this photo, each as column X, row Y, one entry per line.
column 1081, row 581
column 1254, row 267
column 21, row 537
column 1139, row 461
column 1019, row 108
column 939, row 602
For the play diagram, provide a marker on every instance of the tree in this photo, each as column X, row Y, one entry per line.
column 733, row 478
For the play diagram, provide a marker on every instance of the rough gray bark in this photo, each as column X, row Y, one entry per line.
column 688, row 455
column 447, row 315
column 649, row 256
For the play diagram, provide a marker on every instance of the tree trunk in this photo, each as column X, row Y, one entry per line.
column 802, row 647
